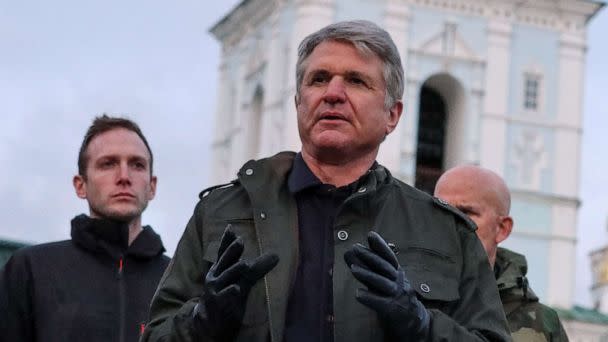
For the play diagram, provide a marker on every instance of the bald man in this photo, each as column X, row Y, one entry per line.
column 483, row 196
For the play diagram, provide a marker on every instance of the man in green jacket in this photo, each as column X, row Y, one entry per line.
column 485, row 198
column 325, row 245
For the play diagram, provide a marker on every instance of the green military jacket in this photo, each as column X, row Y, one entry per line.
column 437, row 247
column 529, row 320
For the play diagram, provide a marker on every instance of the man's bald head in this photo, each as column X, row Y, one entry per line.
column 484, row 197
column 488, row 181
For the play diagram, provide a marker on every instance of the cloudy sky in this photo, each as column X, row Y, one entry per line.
column 62, row 62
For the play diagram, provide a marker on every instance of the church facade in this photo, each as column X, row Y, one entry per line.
column 496, row 83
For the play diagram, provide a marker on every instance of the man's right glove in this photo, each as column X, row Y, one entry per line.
column 220, row 311
column 388, row 292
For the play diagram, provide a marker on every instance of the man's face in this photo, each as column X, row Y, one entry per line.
column 118, row 182
column 341, row 102
column 476, row 202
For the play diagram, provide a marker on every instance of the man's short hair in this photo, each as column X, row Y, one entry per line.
column 102, row 124
column 367, row 38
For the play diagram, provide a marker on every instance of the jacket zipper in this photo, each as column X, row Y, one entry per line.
column 265, row 288
column 121, row 300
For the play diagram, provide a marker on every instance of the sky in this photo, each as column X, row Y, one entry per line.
column 63, row 62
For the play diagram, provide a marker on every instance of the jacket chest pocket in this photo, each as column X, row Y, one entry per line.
column 255, row 310
column 434, row 276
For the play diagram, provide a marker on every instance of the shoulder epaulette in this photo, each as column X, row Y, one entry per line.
column 445, row 205
column 207, row 191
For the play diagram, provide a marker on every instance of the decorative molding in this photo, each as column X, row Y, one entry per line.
column 543, row 236
column 537, row 121
column 525, row 194
column 565, row 16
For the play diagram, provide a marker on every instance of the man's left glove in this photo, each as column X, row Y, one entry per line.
column 388, row 292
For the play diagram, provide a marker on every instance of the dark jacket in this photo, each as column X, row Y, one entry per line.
column 91, row 288
column 437, row 247
column 529, row 320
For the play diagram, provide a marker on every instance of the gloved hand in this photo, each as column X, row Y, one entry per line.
column 220, row 311
column 388, row 292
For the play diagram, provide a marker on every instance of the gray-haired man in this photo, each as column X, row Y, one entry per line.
column 325, row 244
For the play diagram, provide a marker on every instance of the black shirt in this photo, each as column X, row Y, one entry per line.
column 310, row 307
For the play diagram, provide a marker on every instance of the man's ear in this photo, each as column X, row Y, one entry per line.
column 152, row 191
column 394, row 115
column 80, row 186
column 505, row 225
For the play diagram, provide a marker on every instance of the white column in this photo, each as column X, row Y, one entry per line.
column 273, row 88
column 569, row 114
column 239, row 143
column 566, row 169
column 396, row 22
column 493, row 123
column 562, row 256
column 311, row 15
column 409, row 130
column 222, row 125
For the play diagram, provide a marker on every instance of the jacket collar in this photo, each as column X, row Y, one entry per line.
column 111, row 238
column 510, row 270
column 301, row 177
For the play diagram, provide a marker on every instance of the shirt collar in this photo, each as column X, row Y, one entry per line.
column 301, row 177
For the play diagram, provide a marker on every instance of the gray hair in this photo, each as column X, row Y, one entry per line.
column 367, row 38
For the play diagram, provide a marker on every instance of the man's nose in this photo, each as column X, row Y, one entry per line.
column 124, row 173
column 335, row 91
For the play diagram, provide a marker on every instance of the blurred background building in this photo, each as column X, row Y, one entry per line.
column 7, row 248
column 496, row 83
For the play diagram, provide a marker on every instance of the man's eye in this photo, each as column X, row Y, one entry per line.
column 318, row 79
column 107, row 164
column 356, row 80
column 139, row 165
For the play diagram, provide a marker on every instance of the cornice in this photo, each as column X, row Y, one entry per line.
column 242, row 19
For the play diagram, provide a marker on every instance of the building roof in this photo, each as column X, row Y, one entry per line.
column 581, row 314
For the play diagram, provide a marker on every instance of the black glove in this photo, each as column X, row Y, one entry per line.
column 220, row 311
column 388, row 292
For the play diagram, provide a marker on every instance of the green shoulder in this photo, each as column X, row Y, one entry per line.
column 535, row 320
column 440, row 203
column 210, row 189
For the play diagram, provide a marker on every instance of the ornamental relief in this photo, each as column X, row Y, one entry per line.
column 529, row 159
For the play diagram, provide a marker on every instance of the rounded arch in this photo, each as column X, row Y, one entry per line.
column 441, row 128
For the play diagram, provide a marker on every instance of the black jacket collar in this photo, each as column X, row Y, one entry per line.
column 110, row 237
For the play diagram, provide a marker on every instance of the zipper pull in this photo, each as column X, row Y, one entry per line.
column 120, row 266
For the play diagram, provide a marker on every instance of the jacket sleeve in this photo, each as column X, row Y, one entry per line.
column 180, row 288
column 16, row 313
column 478, row 314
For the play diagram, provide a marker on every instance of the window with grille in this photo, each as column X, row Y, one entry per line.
column 531, row 92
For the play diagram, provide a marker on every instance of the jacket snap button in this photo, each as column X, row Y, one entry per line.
column 363, row 189
column 263, row 216
column 393, row 248
column 425, row 288
column 249, row 172
column 342, row 235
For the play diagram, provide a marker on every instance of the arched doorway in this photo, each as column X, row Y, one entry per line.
column 441, row 131
column 431, row 135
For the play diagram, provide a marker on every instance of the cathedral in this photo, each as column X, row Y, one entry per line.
column 496, row 83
